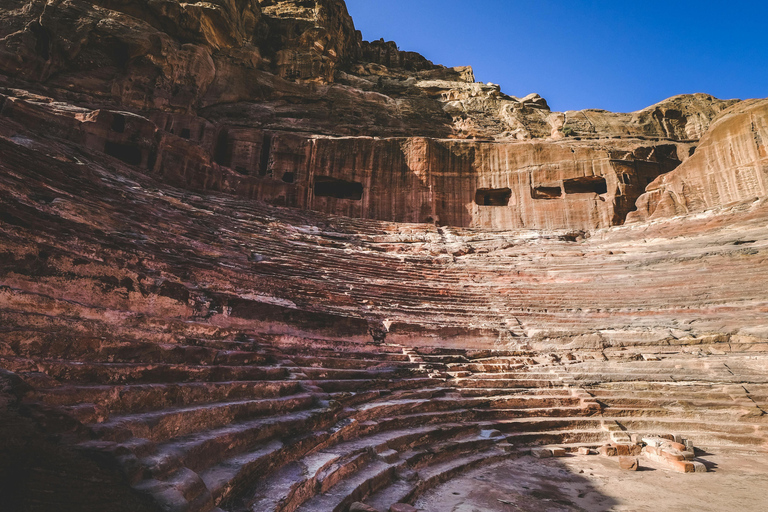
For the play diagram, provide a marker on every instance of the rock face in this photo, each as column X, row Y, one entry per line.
column 271, row 92
column 251, row 262
column 730, row 165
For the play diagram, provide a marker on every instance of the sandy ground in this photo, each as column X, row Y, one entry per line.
column 736, row 482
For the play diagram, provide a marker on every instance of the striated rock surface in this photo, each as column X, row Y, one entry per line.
column 250, row 262
column 267, row 95
column 730, row 165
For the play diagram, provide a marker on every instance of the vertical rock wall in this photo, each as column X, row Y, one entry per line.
column 730, row 165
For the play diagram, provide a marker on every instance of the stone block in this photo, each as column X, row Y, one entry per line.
column 682, row 466
column 699, row 467
column 541, row 453
column 675, row 446
column 558, row 452
column 626, row 450
column 651, row 450
column 608, row 451
column 672, row 454
column 629, row 463
column 584, row 451
column 653, row 441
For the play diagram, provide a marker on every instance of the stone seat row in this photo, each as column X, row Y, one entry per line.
column 314, row 425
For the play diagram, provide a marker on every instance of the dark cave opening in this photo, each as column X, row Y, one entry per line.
column 493, row 196
column 128, row 153
column 586, row 185
column 326, row 186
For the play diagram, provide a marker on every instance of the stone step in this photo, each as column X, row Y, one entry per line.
column 288, row 488
column 522, row 393
column 381, row 374
column 533, row 412
column 176, row 422
column 144, row 397
column 368, row 479
column 667, row 424
column 349, row 363
column 204, row 450
column 331, row 385
column 374, row 410
column 749, row 412
column 436, row 474
column 435, row 453
column 184, row 491
column 565, row 436
column 507, row 383
column 106, row 350
column 137, row 373
column 230, row 479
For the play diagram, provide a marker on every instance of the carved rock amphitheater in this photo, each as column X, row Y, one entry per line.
column 251, row 262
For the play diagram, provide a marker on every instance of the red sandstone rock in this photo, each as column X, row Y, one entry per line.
column 715, row 176
column 627, row 449
column 672, row 455
column 628, row 463
column 682, row 466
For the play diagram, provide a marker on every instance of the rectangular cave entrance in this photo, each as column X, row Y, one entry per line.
column 493, row 196
column 128, row 153
column 586, row 185
column 546, row 192
column 326, row 186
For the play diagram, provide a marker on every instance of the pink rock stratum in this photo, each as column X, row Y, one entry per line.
column 250, row 262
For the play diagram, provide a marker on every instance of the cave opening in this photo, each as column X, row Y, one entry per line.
column 118, row 123
column 546, row 192
column 42, row 40
column 325, row 186
column 264, row 156
column 128, row 153
column 221, row 152
column 493, row 196
column 586, row 185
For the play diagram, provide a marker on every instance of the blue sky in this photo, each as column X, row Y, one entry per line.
column 616, row 55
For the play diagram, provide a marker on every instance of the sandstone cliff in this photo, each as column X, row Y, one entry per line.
column 267, row 94
column 730, row 165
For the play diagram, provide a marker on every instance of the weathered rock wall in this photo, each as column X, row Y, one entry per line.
column 730, row 165
column 501, row 185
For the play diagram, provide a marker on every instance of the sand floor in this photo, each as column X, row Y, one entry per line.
column 737, row 481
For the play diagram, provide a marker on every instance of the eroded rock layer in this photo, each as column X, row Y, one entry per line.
column 730, row 166
column 249, row 261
